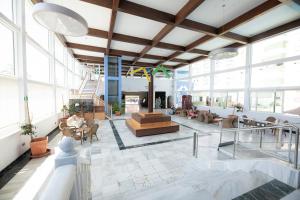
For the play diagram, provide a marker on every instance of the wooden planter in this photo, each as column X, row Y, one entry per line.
column 39, row 146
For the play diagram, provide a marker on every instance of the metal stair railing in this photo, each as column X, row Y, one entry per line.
column 237, row 131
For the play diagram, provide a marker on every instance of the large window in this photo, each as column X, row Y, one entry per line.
column 62, row 98
column 33, row 29
column 200, row 67
column 237, row 61
column 230, row 80
column 59, row 50
column 200, row 98
column 6, row 51
column 276, row 75
column 41, row 101
column 37, row 64
column 7, row 9
column 201, row 83
column 281, row 46
column 9, row 102
column 60, row 74
column 182, row 72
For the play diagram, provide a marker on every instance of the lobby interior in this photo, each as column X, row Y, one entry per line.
column 150, row 99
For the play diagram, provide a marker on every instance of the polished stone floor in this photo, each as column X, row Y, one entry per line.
column 156, row 167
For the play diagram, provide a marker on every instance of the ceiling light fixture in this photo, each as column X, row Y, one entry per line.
column 59, row 19
column 223, row 53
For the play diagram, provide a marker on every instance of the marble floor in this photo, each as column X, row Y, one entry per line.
column 162, row 166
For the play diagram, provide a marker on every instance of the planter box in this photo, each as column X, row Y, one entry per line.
column 39, row 146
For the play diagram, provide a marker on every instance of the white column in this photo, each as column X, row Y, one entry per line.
column 247, row 87
column 20, row 55
column 52, row 67
column 212, row 77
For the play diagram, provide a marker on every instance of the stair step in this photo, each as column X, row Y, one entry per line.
column 274, row 190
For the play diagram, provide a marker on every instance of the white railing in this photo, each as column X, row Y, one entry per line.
column 83, row 83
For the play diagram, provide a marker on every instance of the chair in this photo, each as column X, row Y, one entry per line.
column 192, row 114
column 183, row 113
column 201, row 114
column 93, row 132
column 230, row 121
column 272, row 121
column 71, row 132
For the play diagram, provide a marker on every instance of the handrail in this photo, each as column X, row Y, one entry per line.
column 83, row 82
column 236, row 138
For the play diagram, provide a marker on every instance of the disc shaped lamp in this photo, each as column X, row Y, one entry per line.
column 60, row 19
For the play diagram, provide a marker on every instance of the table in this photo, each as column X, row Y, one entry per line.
column 82, row 130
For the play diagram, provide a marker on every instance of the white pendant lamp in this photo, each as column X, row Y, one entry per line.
column 59, row 19
column 223, row 53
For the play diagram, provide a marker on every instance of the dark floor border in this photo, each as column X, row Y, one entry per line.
column 13, row 168
column 123, row 147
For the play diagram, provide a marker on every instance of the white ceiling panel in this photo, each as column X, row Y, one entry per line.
column 276, row 17
column 171, row 63
column 88, row 40
column 188, row 56
column 169, row 6
column 96, row 16
column 88, row 53
column 136, row 26
column 127, row 58
column 211, row 12
column 214, row 44
column 147, row 60
column 126, row 46
column 160, row 52
column 181, row 36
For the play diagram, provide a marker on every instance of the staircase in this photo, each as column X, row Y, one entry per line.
column 93, row 89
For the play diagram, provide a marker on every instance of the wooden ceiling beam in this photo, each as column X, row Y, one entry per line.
column 117, row 52
column 115, row 5
column 249, row 15
column 179, row 17
column 275, row 31
column 160, row 16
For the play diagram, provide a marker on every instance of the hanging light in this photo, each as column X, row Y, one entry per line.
column 59, row 19
column 223, row 53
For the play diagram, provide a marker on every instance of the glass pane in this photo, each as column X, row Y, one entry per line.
column 70, row 62
column 182, row 85
column 201, row 83
column 113, row 66
column 230, row 80
column 6, row 8
column 6, row 51
column 200, row 67
column 220, row 99
column 60, row 74
column 292, row 102
column 40, row 106
column 182, row 72
column 238, row 61
column 264, row 101
column 282, row 74
column 278, row 101
column 37, row 64
column 70, row 80
column 232, row 99
column 78, row 68
column 33, row 29
column 59, row 51
column 281, row 46
column 9, row 102
column 62, row 98
column 200, row 99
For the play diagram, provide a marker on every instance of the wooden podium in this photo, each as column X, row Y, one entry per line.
column 143, row 124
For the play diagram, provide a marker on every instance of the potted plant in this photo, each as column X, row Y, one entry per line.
column 38, row 146
column 116, row 109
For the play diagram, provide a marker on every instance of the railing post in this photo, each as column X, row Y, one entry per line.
column 221, row 133
column 290, row 145
column 234, row 145
column 195, row 145
column 296, row 149
column 260, row 140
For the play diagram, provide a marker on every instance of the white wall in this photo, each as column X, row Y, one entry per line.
column 137, row 84
column 14, row 144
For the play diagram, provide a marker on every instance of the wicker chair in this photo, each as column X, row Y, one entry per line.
column 93, row 132
column 201, row 116
column 272, row 121
column 230, row 121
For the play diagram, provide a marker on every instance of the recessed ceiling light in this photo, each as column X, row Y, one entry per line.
column 59, row 19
